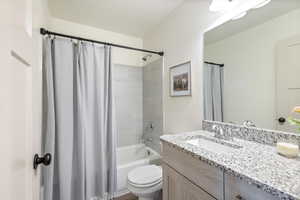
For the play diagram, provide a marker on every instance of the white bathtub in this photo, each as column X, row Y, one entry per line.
column 130, row 157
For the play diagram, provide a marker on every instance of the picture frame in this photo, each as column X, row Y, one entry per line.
column 180, row 80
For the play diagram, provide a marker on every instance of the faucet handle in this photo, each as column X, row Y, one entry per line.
column 221, row 131
column 217, row 130
column 249, row 123
column 215, row 127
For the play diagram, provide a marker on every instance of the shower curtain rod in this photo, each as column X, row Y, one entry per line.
column 211, row 63
column 44, row 31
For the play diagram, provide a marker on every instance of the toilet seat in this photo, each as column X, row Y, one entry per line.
column 145, row 185
column 145, row 176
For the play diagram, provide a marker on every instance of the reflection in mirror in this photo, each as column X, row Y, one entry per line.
column 252, row 68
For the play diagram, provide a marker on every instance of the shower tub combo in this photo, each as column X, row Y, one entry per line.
column 130, row 157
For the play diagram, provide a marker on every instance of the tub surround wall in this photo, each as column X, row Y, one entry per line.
column 128, row 89
column 138, row 103
column 152, row 103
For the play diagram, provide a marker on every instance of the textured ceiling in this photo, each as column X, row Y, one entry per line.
column 132, row 17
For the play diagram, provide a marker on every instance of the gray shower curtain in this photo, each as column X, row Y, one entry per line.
column 213, row 92
column 78, row 121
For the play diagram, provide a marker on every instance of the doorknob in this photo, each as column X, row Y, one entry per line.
column 281, row 120
column 46, row 160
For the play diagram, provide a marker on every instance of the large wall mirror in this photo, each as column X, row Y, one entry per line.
column 252, row 67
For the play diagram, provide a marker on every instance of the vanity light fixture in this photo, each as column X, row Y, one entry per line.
column 239, row 16
column 219, row 5
column 262, row 4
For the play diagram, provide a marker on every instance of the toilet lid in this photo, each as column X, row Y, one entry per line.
column 145, row 176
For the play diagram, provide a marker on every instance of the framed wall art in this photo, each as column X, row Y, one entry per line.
column 180, row 80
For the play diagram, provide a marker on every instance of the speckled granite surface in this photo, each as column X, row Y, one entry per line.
column 260, row 135
column 255, row 163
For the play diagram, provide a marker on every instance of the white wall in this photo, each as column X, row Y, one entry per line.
column 180, row 35
column 249, row 76
column 15, row 100
column 119, row 56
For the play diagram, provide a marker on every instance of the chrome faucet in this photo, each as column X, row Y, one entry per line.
column 249, row 123
column 220, row 133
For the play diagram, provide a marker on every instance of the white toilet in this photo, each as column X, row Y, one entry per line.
column 145, row 182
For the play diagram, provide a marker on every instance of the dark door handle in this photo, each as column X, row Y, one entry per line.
column 45, row 160
column 281, row 120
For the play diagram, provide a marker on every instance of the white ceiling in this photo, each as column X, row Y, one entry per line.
column 132, row 17
column 254, row 17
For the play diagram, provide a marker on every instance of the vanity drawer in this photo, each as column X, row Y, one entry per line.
column 237, row 189
column 177, row 187
column 207, row 177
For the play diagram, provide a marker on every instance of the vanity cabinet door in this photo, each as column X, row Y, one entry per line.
column 193, row 192
column 236, row 189
column 172, row 186
column 205, row 176
column 177, row 187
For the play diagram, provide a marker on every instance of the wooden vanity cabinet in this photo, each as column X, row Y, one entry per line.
column 237, row 189
column 187, row 178
column 172, row 187
column 177, row 187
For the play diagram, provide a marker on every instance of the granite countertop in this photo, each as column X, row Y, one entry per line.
column 256, row 163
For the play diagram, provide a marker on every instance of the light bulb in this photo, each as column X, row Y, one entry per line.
column 219, row 5
column 239, row 16
column 262, row 4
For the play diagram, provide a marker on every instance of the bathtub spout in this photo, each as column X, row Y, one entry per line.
column 144, row 141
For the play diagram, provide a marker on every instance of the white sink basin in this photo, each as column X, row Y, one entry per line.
column 213, row 144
